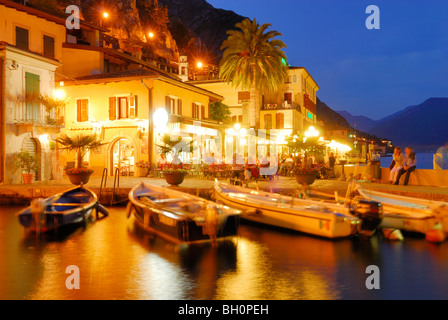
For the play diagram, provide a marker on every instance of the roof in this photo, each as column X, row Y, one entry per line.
column 138, row 74
column 6, row 45
column 50, row 16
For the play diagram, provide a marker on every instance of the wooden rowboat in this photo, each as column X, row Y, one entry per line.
column 180, row 217
column 409, row 214
column 329, row 220
column 69, row 207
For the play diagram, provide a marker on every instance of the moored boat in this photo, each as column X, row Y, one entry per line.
column 180, row 217
column 69, row 207
column 329, row 220
column 409, row 214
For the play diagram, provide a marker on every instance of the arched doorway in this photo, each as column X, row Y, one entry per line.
column 33, row 146
column 122, row 156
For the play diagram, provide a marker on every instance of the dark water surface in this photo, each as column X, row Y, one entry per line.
column 118, row 261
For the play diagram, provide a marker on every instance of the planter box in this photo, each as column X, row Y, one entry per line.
column 79, row 178
column 174, row 178
column 305, row 178
column 141, row 172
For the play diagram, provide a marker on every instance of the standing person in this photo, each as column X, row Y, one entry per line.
column 410, row 163
column 331, row 163
column 399, row 161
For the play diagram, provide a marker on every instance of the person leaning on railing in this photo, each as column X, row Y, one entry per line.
column 410, row 163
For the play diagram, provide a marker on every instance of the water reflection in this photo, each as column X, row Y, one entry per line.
column 119, row 261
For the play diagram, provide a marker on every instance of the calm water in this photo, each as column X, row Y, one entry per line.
column 117, row 261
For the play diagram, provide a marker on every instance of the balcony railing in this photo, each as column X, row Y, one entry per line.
column 284, row 106
column 23, row 114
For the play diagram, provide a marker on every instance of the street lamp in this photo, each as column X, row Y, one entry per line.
column 104, row 16
column 150, row 35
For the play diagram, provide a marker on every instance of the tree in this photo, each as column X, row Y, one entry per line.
column 175, row 147
column 310, row 146
column 219, row 111
column 80, row 144
column 254, row 60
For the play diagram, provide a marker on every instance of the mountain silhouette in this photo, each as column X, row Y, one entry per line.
column 423, row 127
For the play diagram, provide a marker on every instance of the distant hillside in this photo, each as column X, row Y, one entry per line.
column 329, row 117
column 423, row 127
column 199, row 21
column 362, row 123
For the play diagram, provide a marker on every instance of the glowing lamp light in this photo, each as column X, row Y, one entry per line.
column 160, row 118
column 59, row 94
column 151, row 35
column 105, row 15
column 199, row 65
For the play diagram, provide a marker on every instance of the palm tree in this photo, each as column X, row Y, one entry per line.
column 254, row 60
column 79, row 144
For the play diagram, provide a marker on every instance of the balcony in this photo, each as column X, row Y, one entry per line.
column 28, row 117
column 284, row 106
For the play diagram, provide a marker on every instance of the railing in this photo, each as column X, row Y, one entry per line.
column 20, row 113
column 284, row 106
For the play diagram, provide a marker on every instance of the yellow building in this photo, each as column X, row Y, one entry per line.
column 119, row 107
column 290, row 110
column 30, row 52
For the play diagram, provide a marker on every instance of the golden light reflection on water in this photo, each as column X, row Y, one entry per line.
column 117, row 261
column 257, row 278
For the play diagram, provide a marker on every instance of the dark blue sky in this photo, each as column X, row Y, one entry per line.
column 366, row 72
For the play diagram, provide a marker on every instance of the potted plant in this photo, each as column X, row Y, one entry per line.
column 142, row 168
column 309, row 146
column 174, row 172
column 80, row 145
column 305, row 176
column 27, row 162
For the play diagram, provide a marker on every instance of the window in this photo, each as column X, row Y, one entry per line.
column 170, row 105
column 288, row 97
column 22, row 38
column 196, row 109
column 268, row 121
column 49, row 47
column 179, row 107
column 123, row 107
column 279, row 121
column 32, row 88
column 83, row 110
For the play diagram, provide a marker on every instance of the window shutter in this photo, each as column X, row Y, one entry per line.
column 22, row 38
column 84, row 110
column 136, row 105
column 132, row 106
column 179, row 107
column 78, row 115
column 48, row 46
column 112, row 108
column 168, row 104
column 202, row 112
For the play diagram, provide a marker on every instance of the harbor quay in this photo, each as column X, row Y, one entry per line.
column 115, row 191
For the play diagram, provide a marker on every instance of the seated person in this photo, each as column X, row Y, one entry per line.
column 409, row 165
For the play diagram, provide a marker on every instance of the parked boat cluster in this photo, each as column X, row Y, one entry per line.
column 180, row 217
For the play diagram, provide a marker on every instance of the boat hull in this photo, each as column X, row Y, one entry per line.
column 71, row 207
column 409, row 214
column 176, row 227
column 318, row 221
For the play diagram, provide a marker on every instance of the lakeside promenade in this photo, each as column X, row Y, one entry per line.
column 21, row 194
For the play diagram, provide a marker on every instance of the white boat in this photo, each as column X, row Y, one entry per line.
column 409, row 214
column 329, row 220
column 180, row 217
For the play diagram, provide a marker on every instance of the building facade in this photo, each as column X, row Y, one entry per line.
column 30, row 52
column 119, row 108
